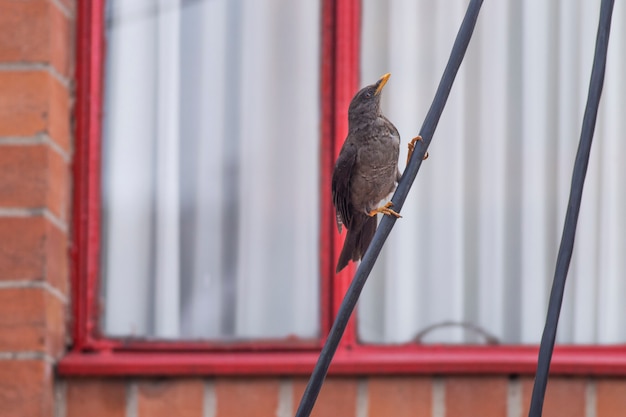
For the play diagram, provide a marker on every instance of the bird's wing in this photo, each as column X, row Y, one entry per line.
column 393, row 131
column 342, row 174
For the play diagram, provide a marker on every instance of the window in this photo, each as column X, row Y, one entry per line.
column 190, row 111
column 476, row 249
column 210, row 170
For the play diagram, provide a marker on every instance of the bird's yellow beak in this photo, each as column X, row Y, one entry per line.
column 381, row 83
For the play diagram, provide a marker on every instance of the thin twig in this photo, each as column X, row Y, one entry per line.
column 428, row 129
column 573, row 208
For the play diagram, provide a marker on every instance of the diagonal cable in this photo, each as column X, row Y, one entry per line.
column 573, row 208
column 382, row 232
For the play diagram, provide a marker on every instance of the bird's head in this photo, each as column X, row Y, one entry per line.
column 366, row 103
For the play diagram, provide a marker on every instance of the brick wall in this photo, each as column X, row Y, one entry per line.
column 36, row 57
column 345, row 397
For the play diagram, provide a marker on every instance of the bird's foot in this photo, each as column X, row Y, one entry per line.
column 384, row 210
column 412, row 148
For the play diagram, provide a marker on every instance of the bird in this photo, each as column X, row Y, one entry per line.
column 366, row 171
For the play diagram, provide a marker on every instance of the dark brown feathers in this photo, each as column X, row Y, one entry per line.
column 366, row 171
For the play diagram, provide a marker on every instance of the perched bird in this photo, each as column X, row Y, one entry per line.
column 366, row 171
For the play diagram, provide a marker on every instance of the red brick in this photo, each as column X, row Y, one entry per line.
column 57, row 258
column 34, row 176
column 34, row 102
column 56, row 325
column 33, row 249
column 565, row 397
column 611, row 397
column 58, row 193
column 26, row 388
column 337, row 397
column 400, row 396
column 26, row 34
column 35, row 31
column 61, row 41
column 59, row 110
column 95, row 398
column 24, row 102
column 22, row 319
column 476, row 396
column 246, row 397
column 171, row 397
column 22, row 248
column 23, row 176
column 31, row 319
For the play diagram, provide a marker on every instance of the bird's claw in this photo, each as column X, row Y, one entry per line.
column 412, row 148
column 384, row 210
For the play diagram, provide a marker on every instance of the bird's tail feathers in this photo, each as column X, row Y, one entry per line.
column 357, row 240
column 367, row 234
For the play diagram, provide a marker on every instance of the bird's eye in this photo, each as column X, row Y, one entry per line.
column 369, row 94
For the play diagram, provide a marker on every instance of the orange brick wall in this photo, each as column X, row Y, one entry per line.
column 345, row 397
column 36, row 56
column 36, row 150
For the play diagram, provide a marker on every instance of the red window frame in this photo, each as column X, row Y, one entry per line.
column 94, row 354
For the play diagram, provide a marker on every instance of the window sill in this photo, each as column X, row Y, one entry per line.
column 567, row 360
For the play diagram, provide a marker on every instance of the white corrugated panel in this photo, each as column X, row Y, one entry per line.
column 477, row 245
column 211, row 169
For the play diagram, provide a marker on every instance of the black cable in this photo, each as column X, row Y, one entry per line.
column 573, row 208
column 428, row 128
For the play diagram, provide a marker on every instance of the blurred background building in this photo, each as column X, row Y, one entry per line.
column 167, row 235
